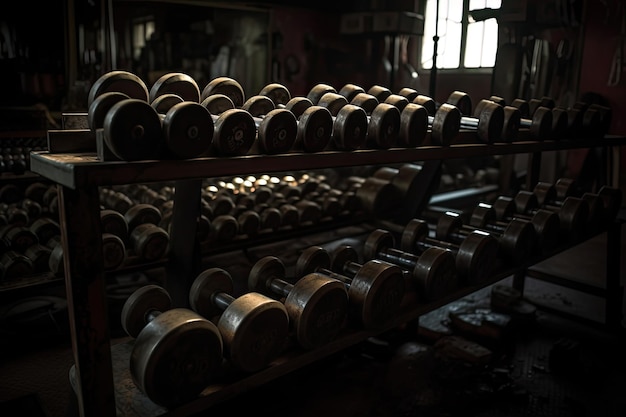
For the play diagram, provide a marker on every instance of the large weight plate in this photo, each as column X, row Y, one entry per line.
column 413, row 126
column 445, row 125
column 234, row 134
column 383, row 126
column 476, row 257
column 435, row 274
column 178, row 83
column 462, row 101
column 121, row 82
column 315, row 128
column 99, row 108
column 490, row 122
column 277, row 131
column 132, row 130
column 350, row 128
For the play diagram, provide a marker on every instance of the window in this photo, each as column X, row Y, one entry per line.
column 465, row 40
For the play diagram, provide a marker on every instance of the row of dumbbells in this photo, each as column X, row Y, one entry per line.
column 15, row 153
column 177, row 120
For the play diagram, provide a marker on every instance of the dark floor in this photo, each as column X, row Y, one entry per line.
column 544, row 364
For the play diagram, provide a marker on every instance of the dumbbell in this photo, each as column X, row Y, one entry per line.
column 517, row 236
column 315, row 125
column 350, row 122
column 413, row 116
column 383, row 121
column 176, row 352
column 317, row 305
column 375, row 291
column 14, row 266
column 474, row 256
column 545, row 222
column 573, row 213
column 254, row 327
column 276, row 128
column 545, row 122
column 433, row 271
column 17, row 238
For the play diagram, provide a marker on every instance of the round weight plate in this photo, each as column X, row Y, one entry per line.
column 334, row 102
column 205, row 287
column 350, row 128
column 504, row 207
column 254, row 328
column 121, row 82
column 409, row 93
column 164, row 102
column 447, row 225
column 376, row 293
column 491, row 122
column 377, row 196
column 407, row 180
column 564, row 187
column 349, row 91
column 462, row 101
column 416, row 230
column 318, row 90
column 218, row 103
column 298, row 105
column 176, row 357
column 573, row 216
column 235, row 132
column 435, row 274
column 428, row 103
column 137, row 310
column 377, row 241
column 132, row 130
column 20, row 238
column 398, row 101
column 225, row 227
column 482, row 215
column 178, row 83
column 188, row 129
column 365, row 101
column 480, row 106
column 499, row 100
column 278, row 93
column 476, row 257
column 547, row 230
column 525, row 202
column 545, row 192
column 16, row 266
column 99, row 108
column 541, row 125
column 380, row 92
column 315, row 129
column 318, row 307
column 383, row 127
column 258, row 106
column 512, row 122
column 522, row 105
column 263, row 272
column 227, row 86
column 446, row 124
column 312, row 259
column 413, row 126
column 277, row 131
column 150, row 242
column 517, row 240
column 271, row 218
column 45, row 228
column 140, row 214
column 113, row 251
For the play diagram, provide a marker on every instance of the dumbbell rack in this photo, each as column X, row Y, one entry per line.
column 101, row 379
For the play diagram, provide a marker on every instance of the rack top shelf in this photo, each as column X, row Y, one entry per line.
column 75, row 170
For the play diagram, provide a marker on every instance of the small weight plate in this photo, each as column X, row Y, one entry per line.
column 263, row 272
column 541, row 125
column 398, row 101
column 278, row 93
column 476, row 257
column 234, row 134
column 525, row 202
column 150, row 242
column 564, row 187
column 188, row 129
column 218, row 103
column 208, row 283
column 409, row 93
column 504, row 207
column 545, row 192
column 164, row 102
column 547, row 230
column 334, row 102
column 383, row 126
column 350, row 128
column 446, row 124
column 435, row 274
column 416, row 230
column 140, row 214
column 517, row 240
column 132, row 130
column 298, row 105
column 258, row 105
column 147, row 300
column 407, row 180
column 100, row 106
column 377, row 241
column 113, row 251
column 277, row 131
column 522, row 105
column 462, row 101
column 121, row 82
column 499, row 100
column 413, row 126
column 227, row 86
column 178, row 83
column 482, row 215
column 427, row 102
column 512, row 122
column 318, row 91
column 312, row 259
column 315, row 129
column 447, row 225
column 366, row 101
column 224, row 227
column 349, row 91
column 380, row 92
column 491, row 122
